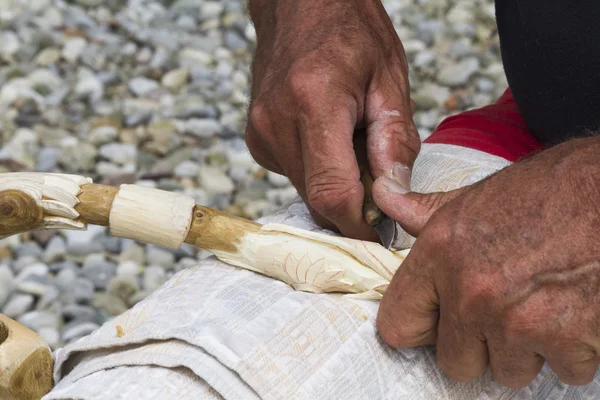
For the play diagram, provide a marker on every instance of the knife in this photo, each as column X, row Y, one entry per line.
column 381, row 223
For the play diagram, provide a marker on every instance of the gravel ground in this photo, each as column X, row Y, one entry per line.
column 155, row 93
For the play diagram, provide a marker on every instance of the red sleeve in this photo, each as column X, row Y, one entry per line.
column 496, row 129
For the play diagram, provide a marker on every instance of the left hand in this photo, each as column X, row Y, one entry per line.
column 505, row 272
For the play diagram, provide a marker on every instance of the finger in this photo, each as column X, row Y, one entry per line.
column 410, row 209
column 461, row 351
column 392, row 136
column 570, row 370
column 259, row 148
column 408, row 312
column 513, row 366
column 331, row 172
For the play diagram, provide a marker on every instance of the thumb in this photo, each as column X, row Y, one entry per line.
column 411, row 210
column 392, row 136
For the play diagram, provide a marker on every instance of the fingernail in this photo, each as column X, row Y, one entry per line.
column 392, row 186
column 401, row 174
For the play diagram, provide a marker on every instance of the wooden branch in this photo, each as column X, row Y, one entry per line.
column 25, row 362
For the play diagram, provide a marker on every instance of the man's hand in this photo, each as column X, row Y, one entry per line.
column 503, row 273
column 321, row 69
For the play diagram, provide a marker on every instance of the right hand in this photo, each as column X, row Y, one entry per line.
column 321, row 70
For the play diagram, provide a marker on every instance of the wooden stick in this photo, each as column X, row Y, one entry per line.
column 25, row 362
column 305, row 260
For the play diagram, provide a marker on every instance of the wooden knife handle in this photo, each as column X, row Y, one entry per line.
column 371, row 212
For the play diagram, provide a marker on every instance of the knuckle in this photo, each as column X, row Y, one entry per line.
column 259, row 118
column 330, row 194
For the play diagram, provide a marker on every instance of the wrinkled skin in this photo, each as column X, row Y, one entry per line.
column 504, row 273
column 323, row 69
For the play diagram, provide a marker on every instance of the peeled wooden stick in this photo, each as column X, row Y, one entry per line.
column 305, row 260
column 25, row 362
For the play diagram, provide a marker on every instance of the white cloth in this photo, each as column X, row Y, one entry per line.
column 215, row 331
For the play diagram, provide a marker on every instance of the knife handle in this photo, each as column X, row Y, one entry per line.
column 371, row 212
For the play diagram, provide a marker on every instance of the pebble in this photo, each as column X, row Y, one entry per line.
column 65, row 278
column 213, row 180
column 6, row 283
column 175, row 79
column 56, row 250
column 203, row 128
column 37, row 320
column 81, row 289
column 18, row 303
column 159, row 256
column 78, row 312
column 99, row 273
column 141, row 86
column 78, row 331
column 128, row 268
column 278, row 180
column 110, row 304
column 73, row 48
column 187, row 169
column 154, row 277
column 103, row 134
column 119, row 153
column 459, row 73
column 123, row 286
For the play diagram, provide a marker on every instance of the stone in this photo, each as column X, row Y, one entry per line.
column 141, row 86
column 47, row 159
column 175, row 79
column 457, row 74
column 17, row 305
column 81, row 289
column 35, row 285
column 124, row 286
column 6, row 283
column 103, row 134
column 88, row 85
column 29, row 249
column 128, row 268
column 203, row 128
column 430, row 95
column 278, row 180
column 154, row 277
column 65, row 278
column 48, row 56
column 99, row 273
column 187, row 169
column 37, row 320
column 78, row 312
column 213, row 180
column 79, row 330
column 56, row 250
column 159, row 256
column 51, row 336
column 119, row 153
column 73, row 48
column 76, row 238
column 164, row 137
column 110, row 304
column 134, row 253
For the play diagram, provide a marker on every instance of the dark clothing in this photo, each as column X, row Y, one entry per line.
column 551, row 55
